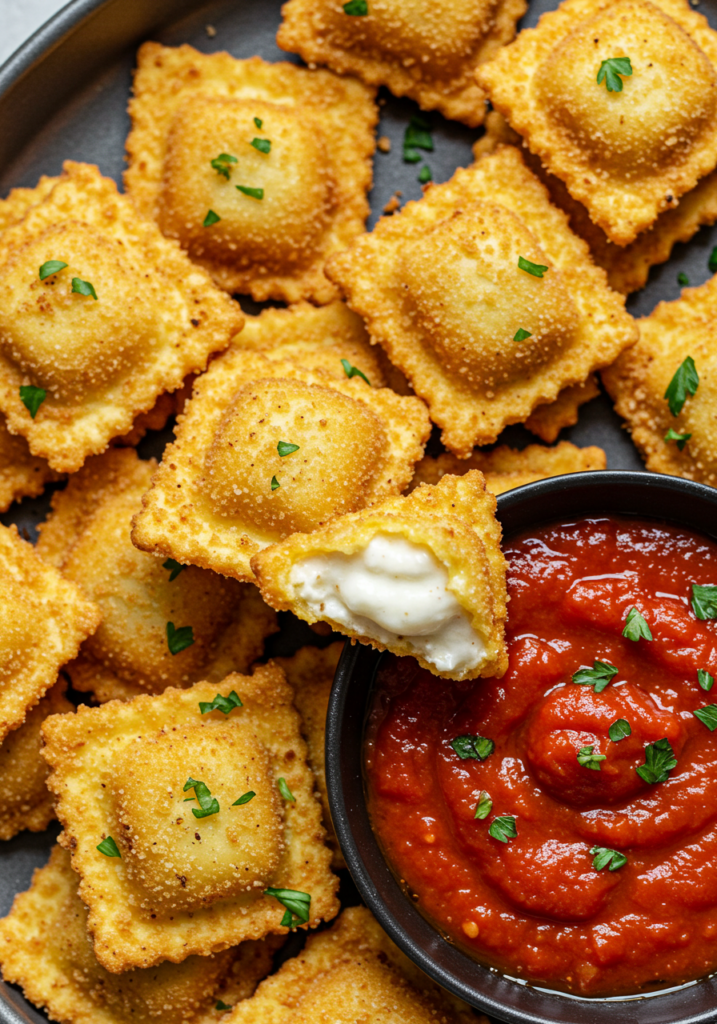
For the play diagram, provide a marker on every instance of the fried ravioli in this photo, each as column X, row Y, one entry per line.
column 626, row 149
column 43, row 620
column 168, row 778
column 421, row 575
column 126, row 318
column 683, row 444
column 22, row 475
column 45, row 948
column 87, row 536
column 484, row 298
column 259, row 170
column 548, row 420
column 417, row 48
column 266, row 448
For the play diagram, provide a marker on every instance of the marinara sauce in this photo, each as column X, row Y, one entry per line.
column 536, row 906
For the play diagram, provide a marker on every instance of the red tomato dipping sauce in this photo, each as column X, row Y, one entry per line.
column 561, row 822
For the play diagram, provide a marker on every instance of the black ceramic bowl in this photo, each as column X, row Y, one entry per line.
column 563, row 498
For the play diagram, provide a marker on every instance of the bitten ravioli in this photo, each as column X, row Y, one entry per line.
column 87, row 536
column 421, row 575
column 446, row 287
column 628, row 153
column 351, row 973
column 43, row 620
column 639, row 379
column 417, row 48
column 102, row 360
column 229, row 485
column 300, row 141
column 189, row 882
column 45, row 948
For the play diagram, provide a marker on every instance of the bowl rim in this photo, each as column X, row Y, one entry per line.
column 558, row 498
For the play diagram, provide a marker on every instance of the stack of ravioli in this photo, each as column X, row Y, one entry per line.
column 187, row 769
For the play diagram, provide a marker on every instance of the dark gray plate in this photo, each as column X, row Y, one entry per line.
column 64, row 95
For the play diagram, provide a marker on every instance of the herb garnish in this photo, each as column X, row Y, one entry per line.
column 109, row 847
column 81, row 287
column 211, row 218
column 221, row 164
column 683, row 279
column 704, row 601
column 681, row 439
column 708, row 716
column 598, row 676
column 356, row 8
column 636, row 627
column 610, row 71
column 484, row 806
column 297, row 905
column 275, row 485
column 258, row 122
column 712, row 261
column 254, row 193
column 286, row 448
column 659, row 761
column 174, row 568
column 424, row 175
column 684, row 382
column 503, row 828
column 208, row 804
column 263, row 145
column 51, row 267
column 285, row 791
column 619, row 730
column 521, row 335
column 32, row 398
column 477, row 748
column 416, row 136
column 536, row 269
column 179, row 639
column 606, row 858
column 244, row 799
column 587, row 759
column 224, row 704
column 705, row 680
column 353, row 371
column 219, row 1005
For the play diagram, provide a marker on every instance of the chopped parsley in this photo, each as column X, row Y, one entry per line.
column 611, row 70
column 81, row 287
column 286, row 448
column 259, row 123
column 222, row 164
column 285, row 791
column 478, row 748
column 704, row 601
column 619, row 730
column 521, row 334
column 416, row 136
column 636, row 627
column 681, row 439
column 109, row 847
column 587, row 759
column 211, row 218
column 353, row 371
column 483, row 807
column 51, row 267
column 712, row 261
column 684, row 382
column 659, row 761
column 297, row 906
column 253, row 193
column 503, row 828
column 606, row 858
column 174, row 568
column 32, row 398
column 224, row 704
column 599, row 676
column 356, row 8
column 219, row 1005
column 536, row 269
column 179, row 639
column 244, row 799
column 275, row 485
column 705, row 680
column 263, row 145
column 208, row 804
column 683, row 279
column 708, row 716
column 424, row 175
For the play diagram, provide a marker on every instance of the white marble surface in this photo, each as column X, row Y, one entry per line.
column 20, row 18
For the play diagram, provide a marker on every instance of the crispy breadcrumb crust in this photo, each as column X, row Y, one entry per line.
column 546, row 421
column 344, row 108
column 22, row 475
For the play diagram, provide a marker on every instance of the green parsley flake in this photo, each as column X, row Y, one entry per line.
column 416, row 136
column 685, row 382
column 275, row 485
column 599, row 676
column 478, row 748
column 259, row 123
column 681, row 439
column 356, row 8
column 263, row 145
column 297, row 906
column 173, row 568
column 32, row 398
column 483, row 807
column 286, row 448
column 705, row 680
column 610, row 71
column 424, row 175
column 221, row 164
column 659, row 761
column 244, row 799
column 503, row 828
column 521, row 334
column 636, row 627
column 531, row 268
column 211, row 218
column 285, row 791
column 253, row 193
column 224, row 704
column 109, row 847
column 683, row 279
column 219, row 1005
column 712, row 261
column 704, row 601
column 353, row 371
column 208, row 804
column 587, row 759
column 81, row 287
column 179, row 639
column 50, row 268
column 708, row 716
column 606, row 858
column 619, row 730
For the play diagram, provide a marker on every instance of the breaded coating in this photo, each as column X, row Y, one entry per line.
column 626, row 151
column 311, row 674
column 228, row 486
column 352, row 973
column 300, row 140
column 482, row 338
column 548, row 420
column 20, row 200
column 639, row 379
column 505, row 468
column 22, row 475
column 45, row 948
column 25, row 800
column 421, row 575
column 101, row 361
column 163, row 780
column 43, row 620
column 627, row 267
column 420, row 49
column 87, row 536
column 317, row 338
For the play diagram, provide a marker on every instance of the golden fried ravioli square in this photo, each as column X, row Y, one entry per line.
column 46, row 949
column 123, row 317
column 417, row 48
column 204, row 806
column 144, row 600
column 618, row 98
column 259, row 170
column 352, row 972
column 666, row 386
column 25, row 800
column 266, row 448
column 482, row 295
column 43, row 620
column 421, row 575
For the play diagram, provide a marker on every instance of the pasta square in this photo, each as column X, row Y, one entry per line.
column 421, row 576
column 46, row 949
column 420, row 49
column 628, row 139
column 122, row 317
column 43, row 620
column 87, row 537
column 484, row 298
column 199, row 878
column 266, row 448
column 259, row 170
